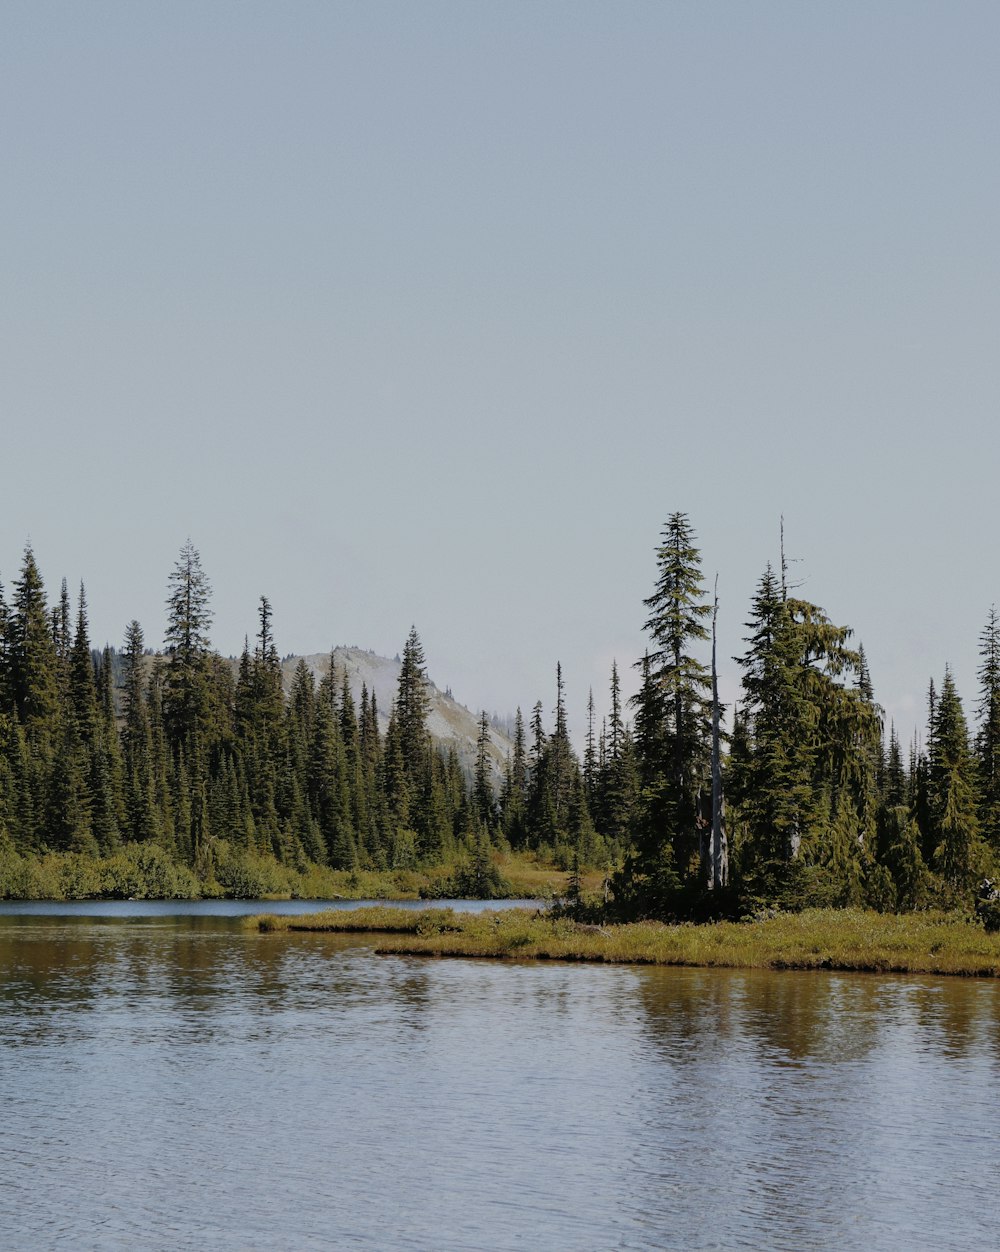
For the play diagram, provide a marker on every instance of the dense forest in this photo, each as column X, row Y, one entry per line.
column 182, row 772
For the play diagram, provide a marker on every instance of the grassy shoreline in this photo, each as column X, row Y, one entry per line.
column 830, row 939
column 148, row 872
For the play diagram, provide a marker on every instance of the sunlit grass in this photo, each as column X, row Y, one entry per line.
column 147, row 871
column 938, row 943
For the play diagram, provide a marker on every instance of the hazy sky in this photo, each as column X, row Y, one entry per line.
column 433, row 312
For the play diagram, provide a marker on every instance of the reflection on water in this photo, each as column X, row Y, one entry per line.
column 180, row 1082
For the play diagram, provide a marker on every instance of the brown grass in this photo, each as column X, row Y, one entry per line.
column 933, row 943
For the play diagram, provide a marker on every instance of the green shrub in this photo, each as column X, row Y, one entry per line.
column 145, row 871
column 28, row 877
column 249, row 875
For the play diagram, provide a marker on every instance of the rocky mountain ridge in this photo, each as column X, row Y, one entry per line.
column 449, row 722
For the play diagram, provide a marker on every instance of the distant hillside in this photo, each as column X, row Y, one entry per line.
column 449, row 722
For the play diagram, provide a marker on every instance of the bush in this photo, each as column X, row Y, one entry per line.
column 28, row 877
column 249, row 875
column 145, row 871
column 80, row 876
column 475, row 881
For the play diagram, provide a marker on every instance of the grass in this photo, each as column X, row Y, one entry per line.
column 915, row 943
column 146, row 871
column 377, row 918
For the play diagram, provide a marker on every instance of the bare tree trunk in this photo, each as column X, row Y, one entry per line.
column 720, row 848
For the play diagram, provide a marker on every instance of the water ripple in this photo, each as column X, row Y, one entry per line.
column 187, row 1084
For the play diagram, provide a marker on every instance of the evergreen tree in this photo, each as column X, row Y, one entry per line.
column 616, row 803
column 188, row 698
column 952, row 788
column 676, row 623
column 185, row 696
column 513, row 798
column 6, row 682
column 82, row 693
column 894, row 777
column 482, row 786
column 988, row 738
column 412, row 707
column 33, row 658
column 805, row 773
column 590, row 766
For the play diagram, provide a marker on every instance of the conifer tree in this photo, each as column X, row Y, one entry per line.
column 62, row 638
column 6, row 689
column 189, row 616
column 894, row 777
column 482, row 787
column 412, row 706
column 805, row 771
column 137, row 743
column 33, row 658
column 188, row 697
column 515, row 787
column 82, row 693
column 590, row 776
column 952, row 790
column 676, row 624
column 988, row 738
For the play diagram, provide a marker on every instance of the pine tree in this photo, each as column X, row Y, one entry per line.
column 515, row 788
column 482, row 787
column 62, row 638
column 185, row 696
column 6, row 679
column 617, row 800
column 988, row 738
column 82, row 693
column 33, row 657
column 106, row 764
column 412, row 707
column 590, row 775
column 952, row 788
column 676, row 623
column 894, row 777
column 188, row 698
column 805, row 773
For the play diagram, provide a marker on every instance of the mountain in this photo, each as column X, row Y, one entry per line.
column 449, row 722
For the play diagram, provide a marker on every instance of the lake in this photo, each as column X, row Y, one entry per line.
column 172, row 1080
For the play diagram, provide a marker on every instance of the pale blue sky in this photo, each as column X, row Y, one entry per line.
column 433, row 312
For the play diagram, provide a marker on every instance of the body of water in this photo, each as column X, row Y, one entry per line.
column 172, row 1080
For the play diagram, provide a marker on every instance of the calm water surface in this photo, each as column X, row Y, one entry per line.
column 178, row 1082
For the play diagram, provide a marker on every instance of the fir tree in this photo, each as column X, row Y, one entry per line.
column 515, row 787
column 33, row 657
column 952, row 787
column 988, row 738
column 83, row 701
column 676, row 623
column 412, row 706
column 185, row 697
column 482, row 786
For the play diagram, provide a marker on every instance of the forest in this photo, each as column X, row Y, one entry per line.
column 179, row 772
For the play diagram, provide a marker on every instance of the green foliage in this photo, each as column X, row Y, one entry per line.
column 29, row 877
column 144, row 871
column 247, row 875
column 958, row 854
column 478, row 879
column 673, row 740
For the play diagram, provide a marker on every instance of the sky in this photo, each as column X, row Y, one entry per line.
column 432, row 313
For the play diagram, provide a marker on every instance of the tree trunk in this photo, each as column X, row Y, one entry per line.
column 719, row 859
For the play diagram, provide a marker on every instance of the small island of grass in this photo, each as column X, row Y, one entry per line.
column 831, row 939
